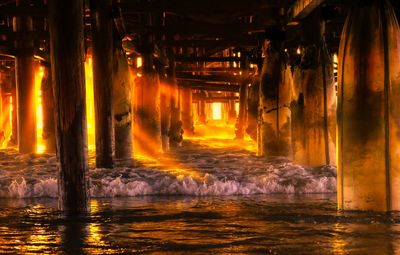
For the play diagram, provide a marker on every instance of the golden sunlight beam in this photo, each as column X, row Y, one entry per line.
column 91, row 129
column 40, row 146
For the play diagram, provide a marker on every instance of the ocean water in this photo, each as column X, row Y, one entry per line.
column 209, row 197
column 201, row 168
column 256, row 224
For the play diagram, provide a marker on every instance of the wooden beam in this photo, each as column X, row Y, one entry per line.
column 302, row 8
column 20, row 11
column 243, row 41
column 202, row 28
column 216, row 59
column 197, row 97
column 184, row 6
column 210, row 86
column 208, row 59
column 210, row 78
column 209, row 70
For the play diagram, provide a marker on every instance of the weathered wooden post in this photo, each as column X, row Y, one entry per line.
column 368, row 109
column 49, row 132
column 274, row 131
column 67, row 55
column 147, row 117
column 243, row 102
column 232, row 114
column 314, row 112
column 186, row 110
column 175, row 130
column 202, row 111
column 252, row 107
column 165, row 109
column 242, row 116
column 122, row 105
column 297, row 109
column 24, row 71
column 102, row 50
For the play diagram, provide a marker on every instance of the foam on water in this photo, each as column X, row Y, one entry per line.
column 212, row 173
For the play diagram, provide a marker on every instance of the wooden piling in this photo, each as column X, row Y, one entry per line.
column 103, row 80
column 368, row 175
column 25, row 79
column 165, row 107
column 186, row 110
column 202, row 112
column 232, row 114
column 175, row 130
column 147, row 117
column 67, row 57
column 314, row 103
column 49, row 133
column 274, row 128
column 242, row 115
column 122, row 106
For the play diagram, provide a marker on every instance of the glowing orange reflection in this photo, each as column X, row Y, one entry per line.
column 221, row 135
column 338, row 243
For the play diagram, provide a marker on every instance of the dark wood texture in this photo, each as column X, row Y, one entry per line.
column 102, row 80
column 66, row 32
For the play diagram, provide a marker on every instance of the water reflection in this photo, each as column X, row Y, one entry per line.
column 338, row 242
column 74, row 234
column 274, row 224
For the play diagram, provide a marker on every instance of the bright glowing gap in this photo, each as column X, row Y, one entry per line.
column 216, row 111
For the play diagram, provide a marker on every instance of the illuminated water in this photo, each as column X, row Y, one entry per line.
column 273, row 224
column 210, row 197
column 200, row 168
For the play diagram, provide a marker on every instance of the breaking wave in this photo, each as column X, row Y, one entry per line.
column 233, row 173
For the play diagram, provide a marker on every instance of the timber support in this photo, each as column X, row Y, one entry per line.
column 274, row 128
column 147, row 118
column 368, row 110
column 25, row 76
column 103, row 80
column 313, row 102
column 122, row 105
column 67, row 54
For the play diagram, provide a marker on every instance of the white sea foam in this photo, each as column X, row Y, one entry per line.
column 211, row 174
